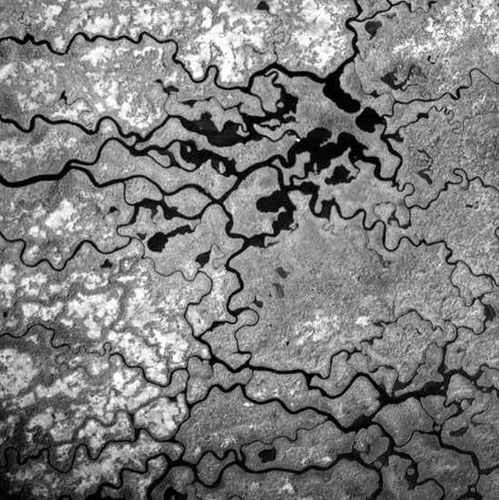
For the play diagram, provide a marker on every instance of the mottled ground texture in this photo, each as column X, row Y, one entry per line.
column 249, row 250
